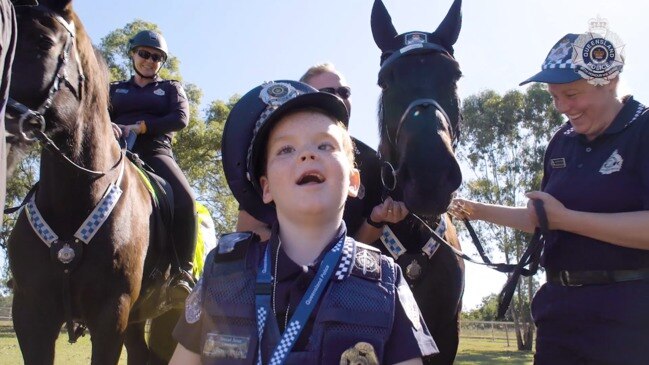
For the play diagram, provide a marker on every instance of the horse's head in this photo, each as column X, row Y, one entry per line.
column 419, row 111
column 47, row 82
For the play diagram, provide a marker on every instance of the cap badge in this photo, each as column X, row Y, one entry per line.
column 598, row 54
column 415, row 38
column 559, row 52
column 275, row 94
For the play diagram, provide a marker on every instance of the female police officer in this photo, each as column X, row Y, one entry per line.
column 154, row 108
column 594, row 307
column 308, row 295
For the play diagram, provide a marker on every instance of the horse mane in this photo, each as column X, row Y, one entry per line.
column 95, row 87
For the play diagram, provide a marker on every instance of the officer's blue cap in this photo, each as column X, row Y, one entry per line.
column 246, row 132
column 558, row 67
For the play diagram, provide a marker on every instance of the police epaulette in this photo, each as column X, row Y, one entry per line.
column 234, row 246
column 367, row 262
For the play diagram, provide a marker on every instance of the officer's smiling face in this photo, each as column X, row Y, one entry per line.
column 588, row 107
column 147, row 67
column 309, row 171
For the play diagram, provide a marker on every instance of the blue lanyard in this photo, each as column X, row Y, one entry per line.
column 303, row 310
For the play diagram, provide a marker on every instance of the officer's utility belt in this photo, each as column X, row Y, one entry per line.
column 597, row 277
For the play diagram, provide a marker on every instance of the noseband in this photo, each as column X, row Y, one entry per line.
column 33, row 120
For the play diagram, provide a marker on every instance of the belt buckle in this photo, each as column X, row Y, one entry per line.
column 564, row 278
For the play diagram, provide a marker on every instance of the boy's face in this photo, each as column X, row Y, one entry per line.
column 308, row 170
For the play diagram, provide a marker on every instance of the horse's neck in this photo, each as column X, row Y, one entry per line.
column 91, row 146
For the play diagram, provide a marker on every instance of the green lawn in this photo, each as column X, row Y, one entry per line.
column 472, row 352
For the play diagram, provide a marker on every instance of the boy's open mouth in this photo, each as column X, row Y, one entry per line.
column 310, row 177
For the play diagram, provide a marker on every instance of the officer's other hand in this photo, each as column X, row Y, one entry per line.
column 389, row 211
column 553, row 209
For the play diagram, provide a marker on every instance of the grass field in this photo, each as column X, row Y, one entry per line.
column 472, row 352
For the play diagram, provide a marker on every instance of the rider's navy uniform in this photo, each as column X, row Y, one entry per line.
column 603, row 323
column 371, row 303
column 163, row 106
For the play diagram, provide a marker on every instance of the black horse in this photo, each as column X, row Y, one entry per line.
column 66, row 269
column 419, row 122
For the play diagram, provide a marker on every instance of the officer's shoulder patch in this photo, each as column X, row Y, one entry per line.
column 409, row 305
column 233, row 246
column 367, row 262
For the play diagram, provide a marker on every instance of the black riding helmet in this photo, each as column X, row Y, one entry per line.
column 246, row 132
column 149, row 38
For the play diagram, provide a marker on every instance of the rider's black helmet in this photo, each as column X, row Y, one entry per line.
column 246, row 132
column 151, row 39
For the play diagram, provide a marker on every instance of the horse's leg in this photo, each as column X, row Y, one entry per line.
column 161, row 342
column 37, row 325
column 136, row 348
column 107, row 328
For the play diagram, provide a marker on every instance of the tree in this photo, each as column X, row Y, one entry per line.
column 504, row 141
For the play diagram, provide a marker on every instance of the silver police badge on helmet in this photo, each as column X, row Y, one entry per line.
column 275, row 94
column 598, row 54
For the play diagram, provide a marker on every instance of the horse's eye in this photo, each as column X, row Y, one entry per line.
column 45, row 44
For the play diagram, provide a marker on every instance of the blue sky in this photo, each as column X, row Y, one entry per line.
column 227, row 47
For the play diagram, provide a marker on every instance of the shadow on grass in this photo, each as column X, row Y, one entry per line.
column 494, row 357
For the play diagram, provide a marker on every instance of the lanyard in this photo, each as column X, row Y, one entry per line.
column 303, row 310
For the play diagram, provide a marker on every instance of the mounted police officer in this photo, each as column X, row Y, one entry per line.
column 595, row 190
column 154, row 109
column 310, row 294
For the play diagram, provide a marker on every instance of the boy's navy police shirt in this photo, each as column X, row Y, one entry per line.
column 163, row 106
column 609, row 174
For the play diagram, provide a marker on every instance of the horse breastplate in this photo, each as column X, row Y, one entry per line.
column 397, row 249
column 65, row 253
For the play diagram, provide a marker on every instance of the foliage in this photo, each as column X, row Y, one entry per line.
column 486, row 311
column 504, row 142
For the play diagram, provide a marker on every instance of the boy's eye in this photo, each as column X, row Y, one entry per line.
column 285, row 149
column 326, row 146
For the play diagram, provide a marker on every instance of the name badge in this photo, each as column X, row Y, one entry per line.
column 558, row 163
column 226, row 346
column 121, row 91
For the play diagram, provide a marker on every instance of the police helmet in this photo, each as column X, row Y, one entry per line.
column 151, row 39
column 246, row 132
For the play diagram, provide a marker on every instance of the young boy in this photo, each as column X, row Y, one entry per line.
column 310, row 294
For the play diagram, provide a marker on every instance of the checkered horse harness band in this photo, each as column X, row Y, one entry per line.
column 396, row 248
column 90, row 226
column 338, row 258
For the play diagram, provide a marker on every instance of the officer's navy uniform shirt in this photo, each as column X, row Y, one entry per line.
column 357, row 209
column 607, row 175
column 162, row 104
column 596, row 324
column 293, row 280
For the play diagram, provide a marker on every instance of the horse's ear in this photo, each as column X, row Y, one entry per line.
column 449, row 29
column 382, row 28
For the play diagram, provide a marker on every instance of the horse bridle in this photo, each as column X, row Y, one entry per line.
column 36, row 118
column 33, row 121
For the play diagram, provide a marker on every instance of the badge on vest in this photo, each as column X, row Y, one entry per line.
column 362, row 354
column 367, row 263
column 558, row 163
column 226, row 346
column 612, row 164
column 159, row 92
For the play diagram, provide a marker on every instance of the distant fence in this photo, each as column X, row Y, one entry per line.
column 489, row 330
column 484, row 330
